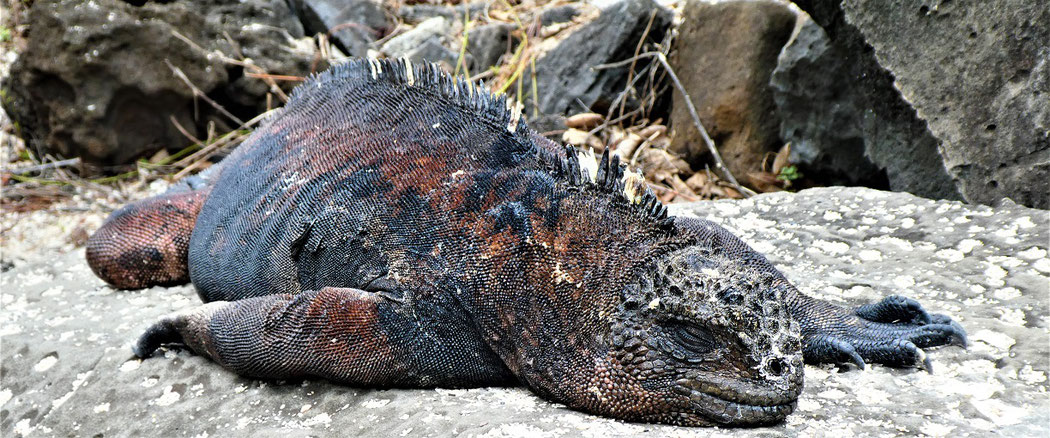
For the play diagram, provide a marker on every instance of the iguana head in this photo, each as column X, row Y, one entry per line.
column 702, row 336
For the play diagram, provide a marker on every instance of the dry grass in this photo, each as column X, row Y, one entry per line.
column 28, row 182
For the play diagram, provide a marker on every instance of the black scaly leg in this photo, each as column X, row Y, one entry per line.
column 892, row 332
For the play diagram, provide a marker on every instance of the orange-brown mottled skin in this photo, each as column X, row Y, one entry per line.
column 165, row 229
column 394, row 227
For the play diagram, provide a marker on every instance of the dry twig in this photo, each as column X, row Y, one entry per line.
column 662, row 59
column 44, row 166
column 198, row 93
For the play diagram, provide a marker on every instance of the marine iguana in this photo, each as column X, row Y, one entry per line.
column 395, row 227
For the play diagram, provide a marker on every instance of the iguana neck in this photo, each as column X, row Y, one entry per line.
column 556, row 258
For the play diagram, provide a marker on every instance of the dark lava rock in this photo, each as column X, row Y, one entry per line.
column 488, row 43
column 724, row 55
column 353, row 24
column 978, row 75
column 567, row 84
column 895, row 136
column 424, row 43
column 821, row 113
column 558, row 14
column 94, row 80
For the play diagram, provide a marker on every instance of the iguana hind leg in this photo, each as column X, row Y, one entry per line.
column 342, row 334
column 146, row 243
column 892, row 332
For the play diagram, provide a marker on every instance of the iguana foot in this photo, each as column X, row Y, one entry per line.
column 184, row 328
column 892, row 332
column 146, row 243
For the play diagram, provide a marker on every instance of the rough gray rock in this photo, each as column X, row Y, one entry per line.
column 969, row 80
column 486, row 44
column 67, row 365
column 557, row 14
column 724, row 55
column 424, row 43
column 353, row 24
column 422, row 12
column 94, row 82
column 978, row 74
column 566, row 82
column 820, row 112
column 894, row 137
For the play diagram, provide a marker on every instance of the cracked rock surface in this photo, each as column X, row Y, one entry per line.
column 67, row 367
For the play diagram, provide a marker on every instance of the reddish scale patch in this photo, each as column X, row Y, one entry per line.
column 351, row 344
column 146, row 243
column 618, row 392
column 332, row 333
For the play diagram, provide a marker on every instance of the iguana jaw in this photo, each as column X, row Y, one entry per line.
column 721, row 412
column 726, row 402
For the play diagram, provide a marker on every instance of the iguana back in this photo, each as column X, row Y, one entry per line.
column 357, row 150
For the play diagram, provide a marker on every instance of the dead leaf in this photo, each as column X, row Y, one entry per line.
column 765, row 182
column 698, row 182
column 585, row 121
column 648, row 131
column 661, row 142
column 658, row 165
column 683, row 189
column 732, row 193
column 625, row 148
column 781, row 161
column 614, row 135
column 577, row 137
column 159, row 156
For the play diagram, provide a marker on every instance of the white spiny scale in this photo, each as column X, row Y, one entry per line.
column 633, row 186
column 588, row 163
column 515, row 108
column 409, row 77
column 376, row 67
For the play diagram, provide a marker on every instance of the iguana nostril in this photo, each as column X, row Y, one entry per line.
column 776, row 367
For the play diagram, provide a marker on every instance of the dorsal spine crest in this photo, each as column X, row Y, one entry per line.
column 428, row 77
column 579, row 168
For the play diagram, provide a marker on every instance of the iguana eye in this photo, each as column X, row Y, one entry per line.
column 695, row 339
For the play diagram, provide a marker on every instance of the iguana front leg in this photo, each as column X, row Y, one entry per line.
column 892, row 332
column 342, row 334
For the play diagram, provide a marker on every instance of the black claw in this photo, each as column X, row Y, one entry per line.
column 855, row 357
column 927, row 364
column 162, row 332
column 829, row 349
column 958, row 334
column 902, row 353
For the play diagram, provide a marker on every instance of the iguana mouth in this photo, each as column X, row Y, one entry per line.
column 744, row 405
column 726, row 412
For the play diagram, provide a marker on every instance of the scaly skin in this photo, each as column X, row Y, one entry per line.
column 394, row 227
